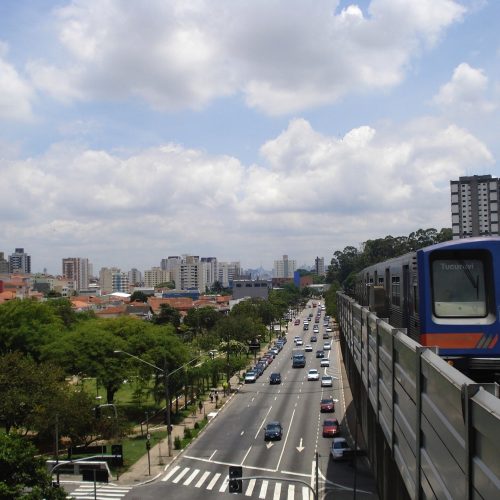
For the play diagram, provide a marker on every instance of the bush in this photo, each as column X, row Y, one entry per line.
column 177, row 443
column 196, row 425
column 187, row 433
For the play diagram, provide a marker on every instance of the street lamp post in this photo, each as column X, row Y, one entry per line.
column 166, row 375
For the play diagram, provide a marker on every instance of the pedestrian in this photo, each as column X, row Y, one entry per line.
column 216, row 399
column 211, row 397
column 200, row 405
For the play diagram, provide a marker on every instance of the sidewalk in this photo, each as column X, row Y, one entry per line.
column 138, row 473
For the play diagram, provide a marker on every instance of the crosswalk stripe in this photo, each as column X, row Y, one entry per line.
column 181, row 475
column 277, row 491
column 213, row 481
column 305, row 493
column 263, row 489
column 188, row 481
column 223, row 488
column 291, row 491
column 202, row 479
column 171, row 473
column 251, row 485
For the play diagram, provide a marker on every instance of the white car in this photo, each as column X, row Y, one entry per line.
column 327, row 346
column 329, row 329
column 325, row 362
column 250, row 377
column 313, row 374
column 326, row 381
column 308, row 348
column 299, row 342
column 339, row 446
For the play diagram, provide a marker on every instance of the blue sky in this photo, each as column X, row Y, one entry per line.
column 131, row 131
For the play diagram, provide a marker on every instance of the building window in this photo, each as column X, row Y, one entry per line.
column 395, row 291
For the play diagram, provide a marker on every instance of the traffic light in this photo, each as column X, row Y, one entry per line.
column 235, row 482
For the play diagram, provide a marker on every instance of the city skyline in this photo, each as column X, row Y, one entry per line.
column 242, row 130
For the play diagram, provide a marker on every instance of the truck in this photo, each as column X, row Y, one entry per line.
column 298, row 358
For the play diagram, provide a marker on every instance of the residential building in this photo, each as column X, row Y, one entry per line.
column 227, row 272
column 155, row 276
column 77, row 270
column 170, row 263
column 135, row 277
column 190, row 274
column 20, row 262
column 319, row 266
column 210, row 269
column 113, row 280
column 474, row 206
column 284, row 268
column 4, row 264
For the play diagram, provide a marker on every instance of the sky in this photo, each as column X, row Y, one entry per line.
column 243, row 130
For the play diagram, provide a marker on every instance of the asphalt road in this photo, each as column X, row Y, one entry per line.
column 281, row 469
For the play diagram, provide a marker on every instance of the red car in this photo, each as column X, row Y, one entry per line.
column 327, row 405
column 297, row 321
column 331, row 427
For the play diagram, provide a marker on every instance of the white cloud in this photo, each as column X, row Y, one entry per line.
column 282, row 56
column 466, row 91
column 15, row 93
column 311, row 192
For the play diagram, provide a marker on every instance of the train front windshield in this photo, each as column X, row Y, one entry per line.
column 459, row 288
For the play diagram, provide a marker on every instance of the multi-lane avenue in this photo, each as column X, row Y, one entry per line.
column 282, row 468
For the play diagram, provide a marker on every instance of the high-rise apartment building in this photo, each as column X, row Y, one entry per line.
column 319, row 266
column 284, row 268
column 227, row 272
column 474, row 206
column 20, row 262
column 77, row 270
column 113, row 280
column 135, row 277
column 210, row 267
column 155, row 276
column 171, row 262
column 4, row 264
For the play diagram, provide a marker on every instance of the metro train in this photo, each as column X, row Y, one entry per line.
column 445, row 295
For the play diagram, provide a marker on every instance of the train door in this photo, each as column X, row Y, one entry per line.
column 405, row 304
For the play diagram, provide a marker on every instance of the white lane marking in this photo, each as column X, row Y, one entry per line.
column 202, row 479
column 251, row 486
column 305, row 493
column 212, row 455
column 313, row 475
column 263, row 422
column 263, row 489
column 286, row 439
column 225, row 483
column 242, row 432
column 291, row 492
column 189, row 480
column 277, row 491
column 181, row 475
column 171, row 473
column 213, row 481
column 246, row 454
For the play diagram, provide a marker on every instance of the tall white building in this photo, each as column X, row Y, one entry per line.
column 190, row 274
column 474, row 206
column 284, row 268
column 319, row 266
column 77, row 269
column 135, row 277
column 227, row 272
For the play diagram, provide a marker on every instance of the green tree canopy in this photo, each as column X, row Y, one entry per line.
column 22, row 473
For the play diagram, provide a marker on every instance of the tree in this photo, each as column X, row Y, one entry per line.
column 138, row 296
column 22, row 473
column 167, row 314
column 26, row 325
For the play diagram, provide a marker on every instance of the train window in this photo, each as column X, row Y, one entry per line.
column 395, row 291
column 458, row 288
